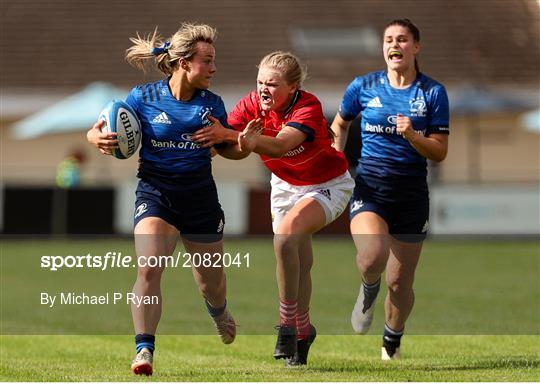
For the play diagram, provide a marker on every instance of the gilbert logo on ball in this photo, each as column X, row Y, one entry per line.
column 119, row 117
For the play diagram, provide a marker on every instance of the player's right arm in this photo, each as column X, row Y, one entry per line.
column 220, row 133
column 348, row 110
column 287, row 139
column 238, row 119
column 340, row 127
column 214, row 134
column 245, row 140
column 104, row 141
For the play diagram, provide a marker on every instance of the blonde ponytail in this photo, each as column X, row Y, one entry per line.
column 181, row 45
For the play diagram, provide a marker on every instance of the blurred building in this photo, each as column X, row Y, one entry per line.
column 52, row 49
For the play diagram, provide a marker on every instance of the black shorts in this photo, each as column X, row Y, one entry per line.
column 407, row 219
column 196, row 212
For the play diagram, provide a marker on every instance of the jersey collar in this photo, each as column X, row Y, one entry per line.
column 293, row 102
column 416, row 82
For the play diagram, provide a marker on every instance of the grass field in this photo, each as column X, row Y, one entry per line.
column 476, row 318
column 334, row 358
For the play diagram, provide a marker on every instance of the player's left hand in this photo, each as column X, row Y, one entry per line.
column 213, row 134
column 404, row 126
column 247, row 140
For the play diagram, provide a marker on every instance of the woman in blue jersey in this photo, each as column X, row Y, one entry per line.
column 404, row 122
column 176, row 193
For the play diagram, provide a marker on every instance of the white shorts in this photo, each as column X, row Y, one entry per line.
column 333, row 196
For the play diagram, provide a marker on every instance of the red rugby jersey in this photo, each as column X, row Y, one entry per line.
column 314, row 161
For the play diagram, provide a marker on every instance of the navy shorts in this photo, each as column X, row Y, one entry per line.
column 407, row 219
column 196, row 212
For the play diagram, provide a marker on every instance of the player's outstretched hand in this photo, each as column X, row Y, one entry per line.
column 213, row 134
column 247, row 140
column 104, row 141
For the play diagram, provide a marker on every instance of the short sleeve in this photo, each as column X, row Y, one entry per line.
column 241, row 114
column 439, row 111
column 307, row 118
column 220, row 113
column 350, row 105
column 132, row 99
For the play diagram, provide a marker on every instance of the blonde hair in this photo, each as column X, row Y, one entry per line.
column 287, row 64
column 181, row 45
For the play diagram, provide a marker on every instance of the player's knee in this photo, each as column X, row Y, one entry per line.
column 293, row 224
column 370, row 268
column 149, row 275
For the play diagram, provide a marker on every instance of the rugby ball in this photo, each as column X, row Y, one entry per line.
column 119, row 117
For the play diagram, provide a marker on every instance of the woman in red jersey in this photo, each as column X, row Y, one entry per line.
column 311, row 185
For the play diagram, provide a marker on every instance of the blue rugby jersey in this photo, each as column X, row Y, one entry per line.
column 385, row 153
column 168, row 156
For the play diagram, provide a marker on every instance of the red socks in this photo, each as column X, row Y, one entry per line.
column 289, row 317
column 287, row 313
column 302, row 325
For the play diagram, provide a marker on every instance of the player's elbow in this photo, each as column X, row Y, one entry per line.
column 440, row 156
column 241, row 155
column 233, row 154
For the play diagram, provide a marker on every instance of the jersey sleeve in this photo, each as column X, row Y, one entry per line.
column 439, row 112
column 241, row 114
column 221, row 114
column 132, row 100
column 350, row 105
column 307, row 118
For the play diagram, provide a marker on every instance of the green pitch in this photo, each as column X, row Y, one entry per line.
column 338, row 358
column 476, row 318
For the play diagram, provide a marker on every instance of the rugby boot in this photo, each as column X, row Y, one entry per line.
column 286, row 342
column 301, row 355
column 225, row 326
column 362, row 314
column 142, row 363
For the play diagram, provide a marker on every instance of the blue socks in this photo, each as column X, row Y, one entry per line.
column 144, row 340
column 215, row 312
